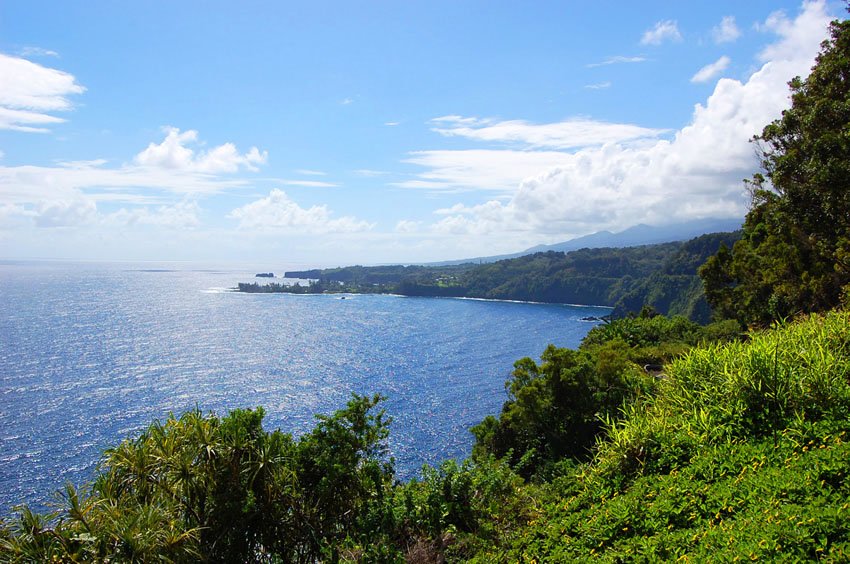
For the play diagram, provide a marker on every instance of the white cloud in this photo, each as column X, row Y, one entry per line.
column 478, row 169
column 309, row 183
column 796, row 32
column 78, row 209
column 727, row 31
column 278, row 212
column 663, row 31
column 480, row 220
column 502, row 169
column 174, row 153
column 308, row 172
column 598, row 85
column 37, row 52
column 458, row 120
column 616, row 60
column 370, row 172
column 11, row 215
column 130, row 184
column 407, row 226
column 81, row 165
column 29, row 93
column 391, row 123
column 568, row 134
column 183, row 215
column 695, row 175
column 68, row 193
column 65, row 213
column 346, row 101
column 457, row 208
column 23, row 120
column 712, row 70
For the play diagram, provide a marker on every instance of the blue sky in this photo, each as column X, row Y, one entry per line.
column 341, row 132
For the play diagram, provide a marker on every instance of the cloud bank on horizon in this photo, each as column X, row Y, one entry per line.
column 492, row 185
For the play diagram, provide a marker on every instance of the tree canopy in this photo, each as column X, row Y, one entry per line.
column 794, row 256
column 220, row 489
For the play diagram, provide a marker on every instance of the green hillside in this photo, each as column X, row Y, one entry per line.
column 663, row 276
column 742, row 453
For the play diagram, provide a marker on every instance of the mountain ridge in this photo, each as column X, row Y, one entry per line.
column 637, row 235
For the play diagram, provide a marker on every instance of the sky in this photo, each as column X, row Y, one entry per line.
column 337, row 132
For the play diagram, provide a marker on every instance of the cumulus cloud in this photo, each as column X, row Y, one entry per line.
column 598, row 85
column 502, row 169
column 712, row 70
column 727, row 31
column 278, row 212
column 78, row 210
column 796, row 33
column 183, row 215
column 667, row 30
column 65, row 213
column 30, row 93
column 407, row 226
column 68, row 193
column 696, row 174
column 175, row 153
column 617, row 60
column 568, row 134
column 11, row 215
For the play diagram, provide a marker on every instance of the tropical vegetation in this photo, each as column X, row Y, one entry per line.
column 658, row 439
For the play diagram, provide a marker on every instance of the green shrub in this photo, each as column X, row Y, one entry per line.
column 738, row 390
column 200, row 487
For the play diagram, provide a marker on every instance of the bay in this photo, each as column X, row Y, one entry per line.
column 92, row 353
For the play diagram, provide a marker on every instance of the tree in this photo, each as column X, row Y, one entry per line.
column 793, row 257
column 221, row 489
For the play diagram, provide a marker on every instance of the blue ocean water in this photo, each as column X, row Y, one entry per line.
column 92, row 353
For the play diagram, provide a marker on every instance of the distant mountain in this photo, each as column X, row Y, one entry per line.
column 632, row 237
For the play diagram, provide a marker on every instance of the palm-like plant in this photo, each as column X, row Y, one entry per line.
column 200, row 487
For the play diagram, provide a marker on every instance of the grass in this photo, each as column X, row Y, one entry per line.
column 742, row 455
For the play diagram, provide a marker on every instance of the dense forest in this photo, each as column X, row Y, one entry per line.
column 658, row 439
column 663, row 276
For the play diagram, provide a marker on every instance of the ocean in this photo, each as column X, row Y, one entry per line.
column 91, row 353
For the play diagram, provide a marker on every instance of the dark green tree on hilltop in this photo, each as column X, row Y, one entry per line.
column 794, row 256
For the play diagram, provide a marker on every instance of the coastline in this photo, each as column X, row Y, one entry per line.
column 236, row 290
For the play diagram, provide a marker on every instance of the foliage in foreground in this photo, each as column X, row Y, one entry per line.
column 556, row 409
column 219, row 489
column 743, row 453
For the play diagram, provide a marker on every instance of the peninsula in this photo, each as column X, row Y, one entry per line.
column 663, row 276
